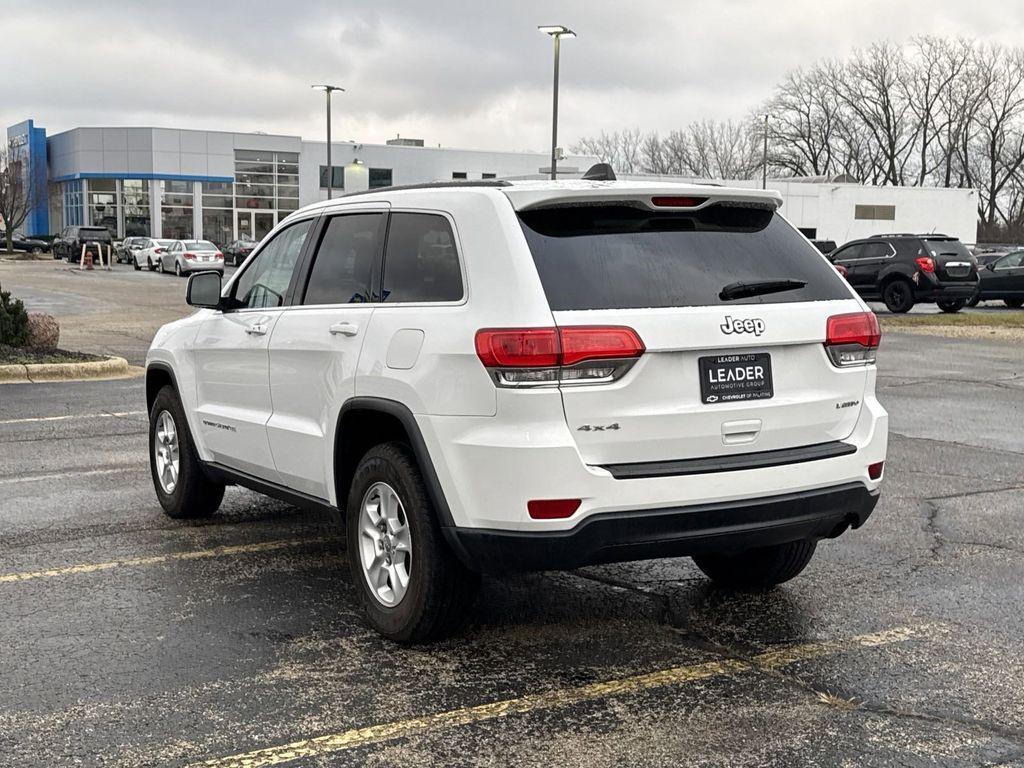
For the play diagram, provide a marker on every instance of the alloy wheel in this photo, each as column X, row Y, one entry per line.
column 385, row 544
column 166, row 451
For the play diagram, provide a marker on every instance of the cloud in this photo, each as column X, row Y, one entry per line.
column 473, row 74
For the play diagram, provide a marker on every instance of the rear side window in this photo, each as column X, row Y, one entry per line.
column 343, row 267
column 420, row 261
column 620, row 257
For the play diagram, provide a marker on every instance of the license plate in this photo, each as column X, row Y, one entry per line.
column 728, row 378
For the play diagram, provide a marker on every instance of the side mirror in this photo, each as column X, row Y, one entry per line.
column 991, row 266
column 203, row 290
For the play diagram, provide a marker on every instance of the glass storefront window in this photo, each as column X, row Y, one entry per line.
column 176, row 223
column 135, row 200
column 217, row 226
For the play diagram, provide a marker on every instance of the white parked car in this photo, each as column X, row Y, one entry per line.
column 149, row 253
column 183, row 256
column 495, row 376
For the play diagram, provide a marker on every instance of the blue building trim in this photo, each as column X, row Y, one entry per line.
column 144, row 177
column 33, row 139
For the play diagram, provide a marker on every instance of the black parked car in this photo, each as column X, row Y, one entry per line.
column 238, row 251
column 825, row 246
column 68, row 244
column 24, row 244
column 904, row 269
column 1002, row 279
column 124, row 252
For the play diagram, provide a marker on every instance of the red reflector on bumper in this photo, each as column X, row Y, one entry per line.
column 552, row 509
column 875, row 470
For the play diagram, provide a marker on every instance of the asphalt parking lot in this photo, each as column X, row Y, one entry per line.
column 130, row 639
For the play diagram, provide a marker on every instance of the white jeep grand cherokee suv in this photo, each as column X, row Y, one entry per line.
column 497, row 376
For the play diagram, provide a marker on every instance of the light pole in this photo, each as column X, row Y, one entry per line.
column 328, row 89
column 557, row 32
column 764, row 156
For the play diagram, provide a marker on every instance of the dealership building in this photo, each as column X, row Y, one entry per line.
column 220, row 186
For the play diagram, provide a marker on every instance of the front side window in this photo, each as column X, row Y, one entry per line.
column 343, row 267
column 265, row 280
column 420, row 261
column 1011, row 262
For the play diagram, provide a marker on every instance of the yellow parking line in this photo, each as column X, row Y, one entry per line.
column 69, row 416
column 196, row 554
column 63, row 475
column 339, row 742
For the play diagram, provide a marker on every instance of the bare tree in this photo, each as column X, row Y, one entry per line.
column 19, row 191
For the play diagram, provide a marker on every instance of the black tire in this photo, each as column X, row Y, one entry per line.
column 898, row 296
column 36, row 250
column 194, row 495
column 135, row 264
column 951, row 305
column 440, row 590
column 974, row 300
column 150, row 264
column 1014, row 303
column 177, row 268
column 760, row 568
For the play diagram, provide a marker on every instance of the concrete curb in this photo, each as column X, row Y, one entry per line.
column 111, row 368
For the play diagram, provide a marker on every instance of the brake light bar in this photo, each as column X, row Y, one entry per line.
column 852, row 339
column 672, row 201
column 518, row 357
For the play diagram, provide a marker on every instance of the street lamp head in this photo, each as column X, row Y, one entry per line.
column 557, row 30
column 327, row 88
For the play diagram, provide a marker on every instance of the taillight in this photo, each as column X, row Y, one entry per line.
column 159, row 250
column 189, row 255
column 852, row 339
column 925, row 263
column 841, row 270
column 218, row 255
column 875, row 470
column 523, row 357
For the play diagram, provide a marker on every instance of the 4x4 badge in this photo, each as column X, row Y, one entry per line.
column 753, row 325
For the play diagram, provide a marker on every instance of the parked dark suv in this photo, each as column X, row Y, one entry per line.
column 68, row 244
column 905, row 269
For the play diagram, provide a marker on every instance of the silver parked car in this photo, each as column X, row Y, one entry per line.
column 184, row 256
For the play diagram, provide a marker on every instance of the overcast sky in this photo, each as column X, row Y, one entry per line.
column 462, row 74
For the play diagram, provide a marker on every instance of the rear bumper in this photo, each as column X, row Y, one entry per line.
column 670, row 532
column 948, row 291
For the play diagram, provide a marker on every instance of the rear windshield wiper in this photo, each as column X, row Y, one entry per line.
column 758, row 288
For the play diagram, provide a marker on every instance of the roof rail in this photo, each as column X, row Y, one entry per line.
column 454, row 184
column 923, row 235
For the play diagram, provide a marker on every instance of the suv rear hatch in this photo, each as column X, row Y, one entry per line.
column 722, row 373
column 953, row 262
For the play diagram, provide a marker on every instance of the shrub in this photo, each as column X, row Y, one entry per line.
column 13, row 321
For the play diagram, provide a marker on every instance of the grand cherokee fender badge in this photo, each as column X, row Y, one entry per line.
column 754, row 325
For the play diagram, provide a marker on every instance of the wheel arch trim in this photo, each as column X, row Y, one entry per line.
column 405, row 417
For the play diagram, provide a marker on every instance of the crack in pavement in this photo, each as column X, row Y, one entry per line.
column 968, row 446
column 819, row 694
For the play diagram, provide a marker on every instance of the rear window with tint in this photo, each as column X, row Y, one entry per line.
column 200, row 245
column 948, row 248
column 98, row 233
column 621, row 257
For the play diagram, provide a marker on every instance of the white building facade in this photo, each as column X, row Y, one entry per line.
column 221, row 186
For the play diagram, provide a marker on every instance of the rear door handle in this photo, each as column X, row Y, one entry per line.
column 256, row 329
column 344, row 329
